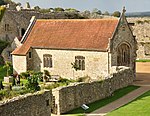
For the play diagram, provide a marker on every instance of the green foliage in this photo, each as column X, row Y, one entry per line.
column 44, row 10
column 106, row 13
column 2, row 10
column 58, row 9
column 74, row 65
column 28, row 5
column 2, row 2
column 96, row 11
column 71, row 10
column 139, row 22
column 37, row 8
column 98, row 104
column 46, row 72
column 1, row 85
column 5, row 94
column 24, row 75
column 116, row 14
column 14, row 82
column 143, row 60
column 3, row 45
column 2, row 73
column 8, row 66
column 138, row 107
column 32, row 83
column 146, row 21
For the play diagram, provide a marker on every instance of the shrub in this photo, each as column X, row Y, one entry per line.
column 1, row 85
column 8, row 67
column 32, row 83
column 52, row 86
column 46, row 75
column 24, row 75
column 139, row 22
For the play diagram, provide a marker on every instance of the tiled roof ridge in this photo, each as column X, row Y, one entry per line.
column 55, row 20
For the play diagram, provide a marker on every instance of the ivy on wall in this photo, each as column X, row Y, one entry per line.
column 2, row 10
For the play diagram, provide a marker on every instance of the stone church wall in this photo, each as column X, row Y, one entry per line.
column 122, row 36
column 96, row 63
column 37, row 104
column 73, row 96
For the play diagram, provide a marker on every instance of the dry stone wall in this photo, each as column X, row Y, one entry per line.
column 73, row 96
column 37, row 104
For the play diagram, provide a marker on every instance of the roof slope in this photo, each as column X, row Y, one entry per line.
column 84, row 34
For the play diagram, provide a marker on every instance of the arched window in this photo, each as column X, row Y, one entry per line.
column 47, row 60
column 80, row 62
column 123, row 55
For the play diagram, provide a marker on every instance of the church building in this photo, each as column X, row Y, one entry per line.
column 91, row 46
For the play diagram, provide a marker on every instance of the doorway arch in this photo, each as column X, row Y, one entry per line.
column 123, row 55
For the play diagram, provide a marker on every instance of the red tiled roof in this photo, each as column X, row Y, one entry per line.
column 85, row 34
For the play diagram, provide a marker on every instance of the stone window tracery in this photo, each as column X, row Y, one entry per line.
column 80, row 62
column 123, row 55
column 47, row 60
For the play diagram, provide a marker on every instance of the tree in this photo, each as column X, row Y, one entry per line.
column 74, row 66
column 86, row 13
column 32, row 83
column 116, row 14
column 2, row 11
column 96, row 11
column 106, row 13
column 58, row 9
column 2, row 2
column 37, row 8
column 71, row 10
column 28, row 5
column 8, row 66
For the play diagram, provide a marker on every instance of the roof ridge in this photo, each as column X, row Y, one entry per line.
column 104, row 19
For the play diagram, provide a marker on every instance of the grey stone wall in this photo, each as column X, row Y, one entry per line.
column 37, row 104
column 73, row 96
column 141, row 30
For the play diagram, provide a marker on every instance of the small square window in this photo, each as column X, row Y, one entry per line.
column 47, row 102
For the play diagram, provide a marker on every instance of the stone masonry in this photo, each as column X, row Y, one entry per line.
column 37, row 104
column 73, row 96
column 141, row 30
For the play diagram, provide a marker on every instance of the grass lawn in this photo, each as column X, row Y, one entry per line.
column 2, row 73
column 143, row 60
column 98, row 104
column 138, row 107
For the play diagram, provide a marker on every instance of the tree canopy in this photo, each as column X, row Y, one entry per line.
column 116, row 14
column 96, row 11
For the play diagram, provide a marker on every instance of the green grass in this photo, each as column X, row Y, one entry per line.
column 98, row 104
column 2, row 73
column 138, row 107
column 143, row 60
